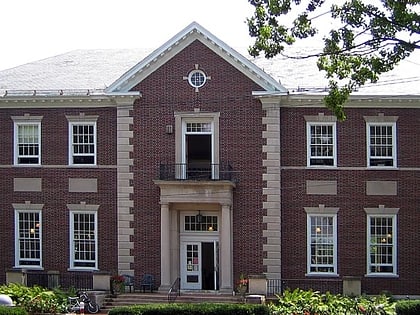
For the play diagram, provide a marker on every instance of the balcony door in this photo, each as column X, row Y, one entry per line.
column 198, row 152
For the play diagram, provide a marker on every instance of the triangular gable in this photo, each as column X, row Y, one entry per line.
column 177, row 43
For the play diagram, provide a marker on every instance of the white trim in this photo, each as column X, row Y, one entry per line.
column 82, row 122
column 17, row 124
column 385, row 214
column 321, row 211
column 394, row 144
column 17, row 237
column 309, row 244
column 71, row 238
column 309, row 124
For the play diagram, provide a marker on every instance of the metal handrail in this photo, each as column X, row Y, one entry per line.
column 174, row 291
column 194, row 171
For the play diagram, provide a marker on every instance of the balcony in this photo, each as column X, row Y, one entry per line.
column 196, row 171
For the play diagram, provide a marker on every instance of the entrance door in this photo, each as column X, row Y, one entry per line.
column 199, row 266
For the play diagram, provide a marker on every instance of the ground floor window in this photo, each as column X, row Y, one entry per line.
column 28, row 236
column 381, row 244
column 83, row 239
column 321, row 240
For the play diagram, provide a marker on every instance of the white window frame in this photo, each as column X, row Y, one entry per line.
column 73, row 260
column 321, row 212
column 18, row 124
column 309, row 145
column 211, row 228
column 35, row 229
column 393, row 157
column 387, row 214
column 72, row 154
column 181, row 120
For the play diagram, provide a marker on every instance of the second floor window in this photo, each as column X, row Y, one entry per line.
column 321, row 144
column 381, row 148
column 27, row 143
column 82, row 143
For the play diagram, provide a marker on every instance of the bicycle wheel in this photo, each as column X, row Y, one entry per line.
column 92, row 308
column 70, row 308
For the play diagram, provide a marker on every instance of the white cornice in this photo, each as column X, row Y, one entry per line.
column 104, row 100
column 355, row 101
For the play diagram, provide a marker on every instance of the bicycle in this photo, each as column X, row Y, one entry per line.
column 75, row 303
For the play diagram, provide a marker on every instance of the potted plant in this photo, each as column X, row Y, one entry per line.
column 117, row 284
column 242, row 286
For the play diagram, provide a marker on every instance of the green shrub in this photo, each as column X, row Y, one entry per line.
column 36, row 299
column 408, row 307
column 300, row 302
column 5, row 310
column 191, row 309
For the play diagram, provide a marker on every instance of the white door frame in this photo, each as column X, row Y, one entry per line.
column 194, row 268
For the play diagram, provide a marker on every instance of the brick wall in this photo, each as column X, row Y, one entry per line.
column 55, row 175
column 228, row 92
column 351, row 199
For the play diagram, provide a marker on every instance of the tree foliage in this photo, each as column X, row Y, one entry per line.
column 366, row 38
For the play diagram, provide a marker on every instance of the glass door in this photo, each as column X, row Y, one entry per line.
column 191, row 266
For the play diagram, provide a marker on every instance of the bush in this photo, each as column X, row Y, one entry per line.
column 36, row 299
column 408, row 307
column 191, row 309
column 5, row 310
column 301, row 302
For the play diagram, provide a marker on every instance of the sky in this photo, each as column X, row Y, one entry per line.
column 37, row 29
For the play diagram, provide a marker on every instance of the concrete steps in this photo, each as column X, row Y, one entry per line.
column 125, row 299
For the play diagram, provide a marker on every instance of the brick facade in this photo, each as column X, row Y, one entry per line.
column 54, row 175
column 258, row 129
column 351, row 198
column 228, row 92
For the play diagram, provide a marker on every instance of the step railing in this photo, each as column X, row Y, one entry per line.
column 174, row 291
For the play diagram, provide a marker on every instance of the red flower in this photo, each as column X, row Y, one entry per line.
column 117, row 278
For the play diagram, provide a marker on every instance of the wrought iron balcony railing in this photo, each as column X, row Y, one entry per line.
column 194, row 171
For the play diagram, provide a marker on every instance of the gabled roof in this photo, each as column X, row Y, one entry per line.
column 96, row 70
column 193, row 32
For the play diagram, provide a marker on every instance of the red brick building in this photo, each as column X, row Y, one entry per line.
column 192, row 162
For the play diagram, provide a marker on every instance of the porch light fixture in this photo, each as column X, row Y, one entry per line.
column 199, row 217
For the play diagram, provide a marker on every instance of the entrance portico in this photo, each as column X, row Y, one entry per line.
column 179, row 199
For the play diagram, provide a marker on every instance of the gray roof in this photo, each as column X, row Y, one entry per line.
column 78, row 69
column 99, row 68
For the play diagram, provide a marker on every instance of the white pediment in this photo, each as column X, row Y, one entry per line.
column 193, row 32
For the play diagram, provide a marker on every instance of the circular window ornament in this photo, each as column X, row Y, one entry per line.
column 197, row 78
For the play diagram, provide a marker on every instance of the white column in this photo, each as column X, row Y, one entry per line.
column 226, row 250
column 165, row 268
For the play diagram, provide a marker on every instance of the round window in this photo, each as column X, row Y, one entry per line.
column 197, row 78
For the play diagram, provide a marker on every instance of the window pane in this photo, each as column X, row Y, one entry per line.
column 83, row 146
column 381, row 145
column 322, row 244
column 201, row 223
column 28, row 144
column 381, row 249
column 29, row 239
column 321, row 145
column 197, row 127
column 84, row 239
